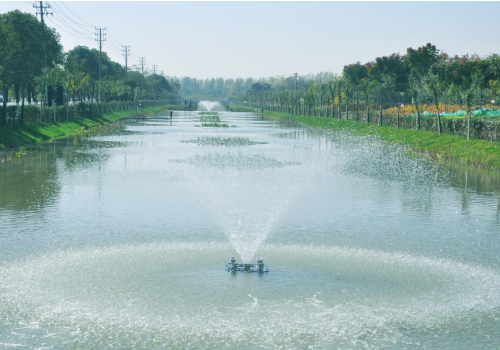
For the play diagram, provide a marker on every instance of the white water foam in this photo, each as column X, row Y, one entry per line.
column 158, row 295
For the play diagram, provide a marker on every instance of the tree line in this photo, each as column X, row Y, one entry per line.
column 24, row 77
column 423, row 77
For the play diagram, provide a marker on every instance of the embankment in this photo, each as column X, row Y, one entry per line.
column 29, row 133
column 445, row 146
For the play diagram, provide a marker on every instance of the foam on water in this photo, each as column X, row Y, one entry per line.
column 177, row 295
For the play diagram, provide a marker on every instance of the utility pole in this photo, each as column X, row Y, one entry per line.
column 296, row 77
column 126, row 54
column 143, row 60
column 162, row 72
column 43, row 11
column 99, row 38
column 154, row 68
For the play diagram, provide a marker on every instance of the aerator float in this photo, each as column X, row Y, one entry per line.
column 260, row 267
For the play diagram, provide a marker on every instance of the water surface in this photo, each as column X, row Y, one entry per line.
column 119, row 238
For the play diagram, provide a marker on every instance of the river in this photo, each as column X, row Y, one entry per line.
column 119, row 238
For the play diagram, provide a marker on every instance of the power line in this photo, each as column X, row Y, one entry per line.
column 115, row 51
column 89, row 24
column 113, row 41
column 64, row 30
column 68, row 26
column 113, row 38
column 65, row 15
column 112, row 45
column 114, row 48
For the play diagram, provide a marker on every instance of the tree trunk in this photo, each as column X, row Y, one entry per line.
column 438, row 115
column 380, row 113
column 5, row 99
column 357, row 105
column 347, row 108
column 417, row 108
column 22, row 107
column 30, row 93
column 92, row 99
column 469, row 112
column 367, row 110
column 16, row 92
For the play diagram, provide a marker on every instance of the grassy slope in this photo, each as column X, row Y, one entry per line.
column 39, row 132
column 175, row 107
column 478, row 152
column 241, row 109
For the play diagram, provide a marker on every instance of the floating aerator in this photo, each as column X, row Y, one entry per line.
column 259, row 267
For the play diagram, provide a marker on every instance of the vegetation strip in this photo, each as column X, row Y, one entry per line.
column 220, row 141
column 444, row 146
column 39, row 132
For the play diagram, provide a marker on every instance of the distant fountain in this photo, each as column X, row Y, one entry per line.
column 209, row 106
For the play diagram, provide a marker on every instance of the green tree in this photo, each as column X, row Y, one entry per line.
column 23, row 55
column 3, row 70
column 356, row 75
column 469, row 76
column 420, row 61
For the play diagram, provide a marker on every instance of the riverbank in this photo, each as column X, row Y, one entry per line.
column 30, row 133
column 241, row 109
column 445, row 146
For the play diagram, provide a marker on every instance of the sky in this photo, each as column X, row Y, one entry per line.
column 263, row 39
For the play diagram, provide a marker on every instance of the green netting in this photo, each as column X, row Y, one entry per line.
column 486, row 112
column 459, row 113
column 462, row 113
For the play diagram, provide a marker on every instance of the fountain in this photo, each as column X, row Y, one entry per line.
column 242, row 195
column 209, row 106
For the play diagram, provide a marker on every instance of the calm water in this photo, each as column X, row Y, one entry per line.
column 119, row 239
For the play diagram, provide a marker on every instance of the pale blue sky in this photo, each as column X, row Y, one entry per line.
column 260, row 39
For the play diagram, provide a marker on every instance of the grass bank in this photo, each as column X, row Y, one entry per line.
column 175, row 107
column 30, row 133
column 241, row 109
column 444, row 146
